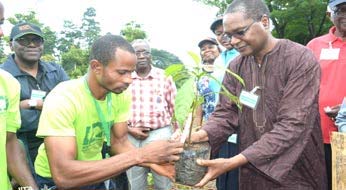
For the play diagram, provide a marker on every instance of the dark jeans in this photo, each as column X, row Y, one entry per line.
column 229, row 180
column 116, row 183
column 31, row 144
column 328, row 157
column 119, row 182
column 49, row 183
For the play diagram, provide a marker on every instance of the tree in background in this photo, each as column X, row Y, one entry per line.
column 70, row 47
column 3, row 56
column 133, row 31
column 75, row 43
column 90, row 27
column 297, row 20
column 69, row 37
column 75, row 62
column 161, row 58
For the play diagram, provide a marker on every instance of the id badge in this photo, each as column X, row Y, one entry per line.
column 330, row 54
column 249, row 99
column 37, row 94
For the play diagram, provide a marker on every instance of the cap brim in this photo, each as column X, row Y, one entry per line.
column 215, row 24
column 335, row 3
column 201, row 43
column 25, row 33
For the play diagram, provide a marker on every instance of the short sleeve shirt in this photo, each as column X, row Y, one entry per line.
column 70, row 111
column 9, row 119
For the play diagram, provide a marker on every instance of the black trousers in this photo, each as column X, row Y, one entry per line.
column 119, row 182
column 31, row 144
column 328, row 157
column 229, row 180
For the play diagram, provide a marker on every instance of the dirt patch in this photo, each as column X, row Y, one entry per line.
column 210, row 186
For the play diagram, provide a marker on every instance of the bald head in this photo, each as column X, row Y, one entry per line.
column 253, row 9
column 141, row 42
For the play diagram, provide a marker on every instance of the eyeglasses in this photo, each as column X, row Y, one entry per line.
column 239, row 34
column 25, row 41
column 144, row 53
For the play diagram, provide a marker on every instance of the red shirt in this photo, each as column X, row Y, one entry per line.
column 333, row 78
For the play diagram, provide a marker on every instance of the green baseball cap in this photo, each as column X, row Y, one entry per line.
column 25, row 28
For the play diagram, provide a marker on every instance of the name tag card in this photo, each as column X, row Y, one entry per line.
column 249, row 99
column 38, row 94
column 330, row 54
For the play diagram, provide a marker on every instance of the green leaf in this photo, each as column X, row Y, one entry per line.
column 188, row 99
column 195, row 57
column 184, row 100
column 173, row 69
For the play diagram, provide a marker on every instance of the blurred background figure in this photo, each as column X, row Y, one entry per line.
column 209, row 52
column 153, row 96
column 229, row 180
column 330, row 50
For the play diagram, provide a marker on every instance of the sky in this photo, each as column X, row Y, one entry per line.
column 172, row 25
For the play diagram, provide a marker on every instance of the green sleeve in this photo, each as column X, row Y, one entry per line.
column 13, row 114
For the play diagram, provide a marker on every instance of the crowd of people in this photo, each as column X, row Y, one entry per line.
column 117, row 119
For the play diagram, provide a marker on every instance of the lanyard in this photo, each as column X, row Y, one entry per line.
column 105, row 124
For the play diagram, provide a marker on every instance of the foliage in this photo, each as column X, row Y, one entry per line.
column 162, row 59
column 30, row 17
column 75, row 62
column 184, row 100
column 50, row 40
column 188, row 99
column 70, row 36
column 3, row 56
column 133, row 31
column 48, row 58
column 79, row 36
column 297, row 20
column 90, row 28
column 70, row 46
column 221, row 4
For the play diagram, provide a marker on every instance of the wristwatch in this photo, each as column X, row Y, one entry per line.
column 32, row 104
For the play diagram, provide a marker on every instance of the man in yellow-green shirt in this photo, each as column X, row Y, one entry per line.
column 12, row 157
column 9, row 146
column 79, row 115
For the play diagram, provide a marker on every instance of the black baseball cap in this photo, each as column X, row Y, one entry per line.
column 207, row 39
column 333, row 3
column 217, row 22
column 25, row 28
